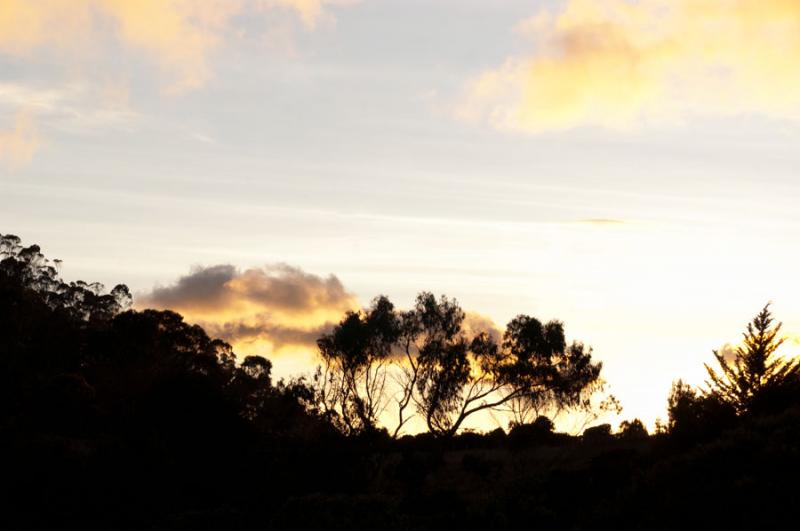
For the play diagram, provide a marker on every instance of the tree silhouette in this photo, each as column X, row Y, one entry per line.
column 63, row 342
column 550, row 375
column 442, row 360
column 356, row 356
column 632, row 429
column 28, row 268
column 755, row 371
column 532, row 367
column 695, row 416
column 423, row 357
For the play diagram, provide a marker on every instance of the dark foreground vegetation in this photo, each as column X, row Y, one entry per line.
column 119, row 419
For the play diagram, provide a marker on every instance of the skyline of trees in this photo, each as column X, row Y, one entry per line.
column 112, row 418
column 422, row 363
column 424, row 358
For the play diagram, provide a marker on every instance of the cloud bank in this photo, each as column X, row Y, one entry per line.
column 270, row 310
column 619, row 64
column 262, row 310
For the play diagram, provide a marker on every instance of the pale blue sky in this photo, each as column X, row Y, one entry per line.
column 339, row 150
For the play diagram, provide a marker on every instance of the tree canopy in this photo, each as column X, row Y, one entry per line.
column 425, row 357
column 27, row 267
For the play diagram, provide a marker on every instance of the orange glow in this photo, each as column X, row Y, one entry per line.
column 620, row 63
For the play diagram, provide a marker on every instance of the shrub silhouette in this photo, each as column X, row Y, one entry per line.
column 597, row 434
column 633, row 429
column 695, row 417
column 540, row 431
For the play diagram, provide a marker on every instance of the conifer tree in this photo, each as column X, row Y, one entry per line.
column 755, row 368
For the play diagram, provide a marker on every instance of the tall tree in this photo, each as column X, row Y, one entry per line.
column 443, row 361
column 551, row 376
column 532, row 365
column 755, row 371
column 352, row 380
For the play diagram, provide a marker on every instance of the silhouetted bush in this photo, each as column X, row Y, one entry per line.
column 597, row 434
column 540, row 431
column 633, row 429
column 696, row 418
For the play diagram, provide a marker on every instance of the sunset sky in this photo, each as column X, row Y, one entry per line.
column 262, row 166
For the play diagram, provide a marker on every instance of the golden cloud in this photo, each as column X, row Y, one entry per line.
column 618, row 63
column 262, row 310
column 178, row 35
column 18, row 145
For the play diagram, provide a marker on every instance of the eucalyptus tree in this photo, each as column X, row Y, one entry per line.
column 27, row 267
column 425, row 361
column 544, row 374
column 458, row 377
column 352, row 381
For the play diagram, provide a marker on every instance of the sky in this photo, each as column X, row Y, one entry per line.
column 263, row 166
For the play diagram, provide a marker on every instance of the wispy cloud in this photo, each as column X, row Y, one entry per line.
column 602, row 222
column 19, row 143
column 178, row 35
column 619, row 64
column 311, row 12
column 73, row 106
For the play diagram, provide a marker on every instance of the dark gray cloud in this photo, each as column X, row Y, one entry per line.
column 281, row 305
column 278, row 335
column 280, row 287
column 291, row 289
column 278, row 304
column 203, row 287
